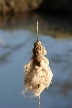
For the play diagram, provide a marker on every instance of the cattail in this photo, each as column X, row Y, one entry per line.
column 38, row 74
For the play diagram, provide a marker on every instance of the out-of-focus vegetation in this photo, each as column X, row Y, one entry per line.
column 15, row 6
column 45, row 6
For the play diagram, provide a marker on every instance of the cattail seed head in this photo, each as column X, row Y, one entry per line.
column 38, row 74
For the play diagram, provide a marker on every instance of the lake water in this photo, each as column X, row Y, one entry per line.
column 15, row 51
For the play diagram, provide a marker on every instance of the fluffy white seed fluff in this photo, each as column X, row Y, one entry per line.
column 38, row 74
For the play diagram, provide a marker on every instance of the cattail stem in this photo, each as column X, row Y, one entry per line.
column 39, row 101
column 37, row 30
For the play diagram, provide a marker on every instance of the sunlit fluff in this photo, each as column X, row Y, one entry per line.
column 38, row 74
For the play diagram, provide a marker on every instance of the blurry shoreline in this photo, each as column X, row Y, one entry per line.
column 42, row 6
column 56, row 26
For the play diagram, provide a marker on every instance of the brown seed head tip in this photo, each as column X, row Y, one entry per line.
column 38, row 74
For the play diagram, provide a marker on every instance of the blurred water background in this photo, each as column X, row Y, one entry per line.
column 17, row 37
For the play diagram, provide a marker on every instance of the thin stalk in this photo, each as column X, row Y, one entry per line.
column 37, row 30
column 39, row 95
column 38, row 101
